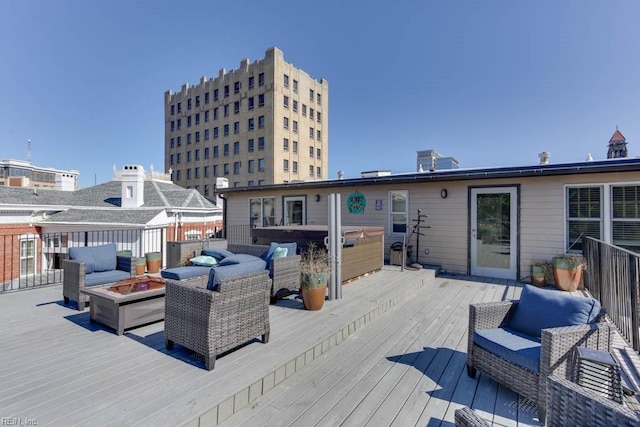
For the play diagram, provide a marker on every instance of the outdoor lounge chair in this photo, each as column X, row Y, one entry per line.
column 213, row 316
column 520, row 343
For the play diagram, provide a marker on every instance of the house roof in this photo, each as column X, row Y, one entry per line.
column 444, row 175
column 617, row 136
column 135, row 217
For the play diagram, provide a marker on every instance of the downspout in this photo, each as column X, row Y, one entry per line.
column 175, row 228
column 224, row 215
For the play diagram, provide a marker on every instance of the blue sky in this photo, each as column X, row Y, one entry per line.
column 491, row 82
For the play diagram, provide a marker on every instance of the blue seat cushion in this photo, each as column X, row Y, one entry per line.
column 547, row 308
column 217, row 253
column 180, row 273
column 95, row 258
column 102, row 277
column 239, row 259
column 517, row 348
column 224, row 272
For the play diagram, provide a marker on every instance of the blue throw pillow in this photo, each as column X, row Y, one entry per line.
column 291, row 248
column 204, row 260
column 238, row 259
column 546, row 308
column 216, row 253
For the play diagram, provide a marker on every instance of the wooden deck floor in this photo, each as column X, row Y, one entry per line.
column 391, row 352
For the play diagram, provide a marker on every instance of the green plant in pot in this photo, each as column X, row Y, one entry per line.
column 539, row 273
column 314, row 276
column 567, row 271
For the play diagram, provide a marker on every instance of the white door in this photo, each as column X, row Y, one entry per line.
column 294, row 210
column 494, row 227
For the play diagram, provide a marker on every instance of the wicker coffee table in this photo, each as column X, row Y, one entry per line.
column 127, row 303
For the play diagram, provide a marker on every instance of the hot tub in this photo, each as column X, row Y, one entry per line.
column 362, row 251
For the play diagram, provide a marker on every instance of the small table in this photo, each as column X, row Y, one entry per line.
column 127, row 303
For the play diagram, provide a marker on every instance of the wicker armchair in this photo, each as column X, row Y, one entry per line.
column 286, row 270
column 212, row 322
column 569, row 404
column 74, row 279
column 465, row 417
column 556, row 351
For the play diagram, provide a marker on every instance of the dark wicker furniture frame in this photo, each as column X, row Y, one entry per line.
column 74, row 278
column 556, row 354
column 213, row 322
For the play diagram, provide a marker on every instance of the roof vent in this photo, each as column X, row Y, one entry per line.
column 544, row 157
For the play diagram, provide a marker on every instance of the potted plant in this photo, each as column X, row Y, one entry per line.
column 314, row 276
column 539, row 273
column 567, row 271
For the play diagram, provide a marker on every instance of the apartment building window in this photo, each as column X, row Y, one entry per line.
column 225, row 151
column 178, row 175
column 197, row 100
column 188, row 138
column 261, row 100
column 311, row 150
column 250, row 145
column 215, row 113
column 311, row 95
column 250, row 166
column 179, row 124
column 311, row 113
column 250, row 183
column 215, row 152
column 295, row 167
column 225, row 168
column 179, row 158
column 251, row 82
column 206, row 189
column 226, row 130
column 262, row 212
column 206, row 175
column 173, row 142
column 189, row 104
column 215, row 132
column 206, row 116
column 206, row 134
column 172, row 159
column 197, row 136
column 260, row 122
column 196, row 172
column 197, row 155
column 285, row 123
column 286, row 101
column 236, row 147
column 206, row 97
column 226, row 90
column 318, row 153
column 285, row 165
column 250, row 124
column 250, row 103
column 286, row 81
column 295, row 106
column 261, row 79
column 179, row 107
column 260, row 165
column 215, row 94
column 206, row 153
column 236, row 107
column 236, row 127
column 319, row 135
column 173, row 126
column 261, row 182
column 188, row 156
column 188, row 121
column 226, row 110
column 295, row 126
column 304, row 110
column 285, row 144
column 310, row 170
column 295, row 86
column 398, row 212
column 173, row 109
column 179, row 141
column 319, row 98
column 311, row 133
column 318, row 171
column 197, row 119
column 215, row 170
column 295, row 146
column 261, row 143
column 236, row 87
column 318, row 117
column 236, row 168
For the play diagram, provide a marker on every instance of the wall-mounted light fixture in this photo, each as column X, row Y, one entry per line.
column 317, row 197
column 444, row 193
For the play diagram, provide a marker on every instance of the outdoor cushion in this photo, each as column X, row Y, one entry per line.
column 179, row 273
column 511, row 345
column 239, row 259
column 279, row 253
column 219, row 272
column 204, row 260
column 216, row 253
column 96, row 258
column 545, row 308
column 292, row 248
column 102, row 277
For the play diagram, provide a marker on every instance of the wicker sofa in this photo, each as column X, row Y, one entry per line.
column 213, row 321
column 284, row 271
column 90, row 266
column 536, row 356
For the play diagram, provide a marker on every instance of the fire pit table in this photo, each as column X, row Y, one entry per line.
column 127, row 303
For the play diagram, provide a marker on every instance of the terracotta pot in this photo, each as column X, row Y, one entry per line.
column 313, row 298
column 538, row 276
column 141, row 265
column 154, row 261
column 567, row 280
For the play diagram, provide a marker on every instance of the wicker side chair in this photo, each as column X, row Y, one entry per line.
column 75, row 278
column 465, row 417
column 557, row 347
column 286, row 270
column 569, row 404
column 213, row 322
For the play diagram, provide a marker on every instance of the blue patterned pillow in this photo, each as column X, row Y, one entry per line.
column 204, row 260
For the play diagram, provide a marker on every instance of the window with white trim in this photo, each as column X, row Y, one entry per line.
column 584, row 215
column 28, row 254
column 625, row 216
column 398, row 212
column 262, row 212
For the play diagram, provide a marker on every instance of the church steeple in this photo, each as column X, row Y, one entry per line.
column 617, row 146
